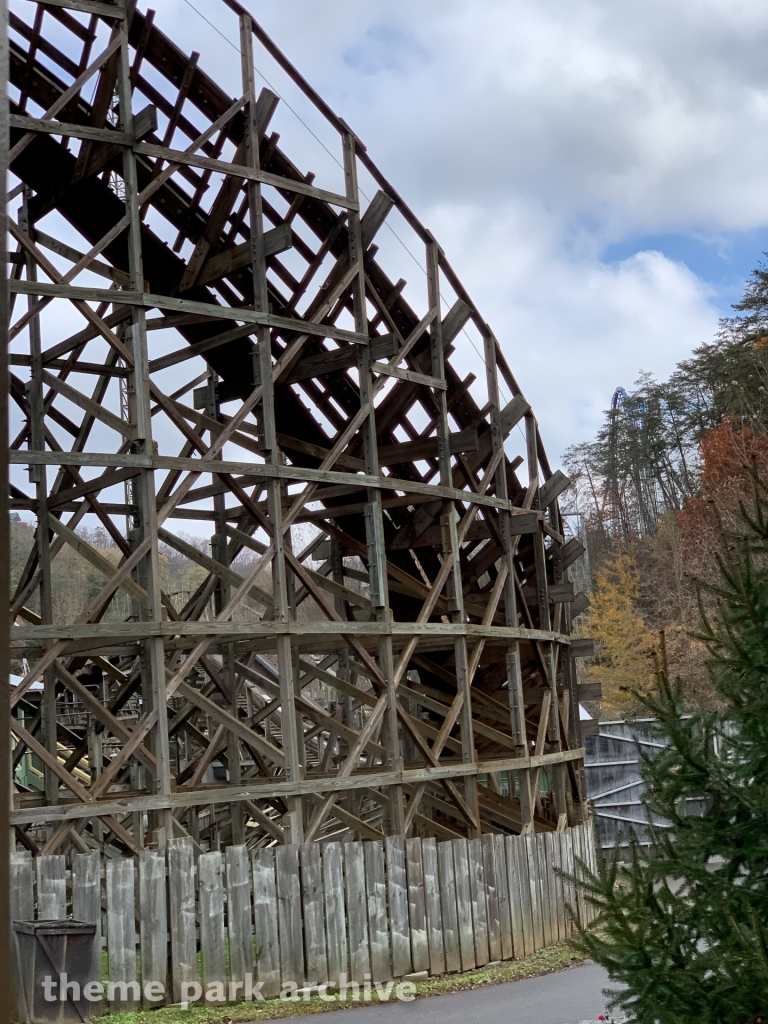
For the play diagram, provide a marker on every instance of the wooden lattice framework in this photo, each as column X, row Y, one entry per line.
column 411, row 670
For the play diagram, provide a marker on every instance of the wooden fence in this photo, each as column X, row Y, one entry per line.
column 372, row 911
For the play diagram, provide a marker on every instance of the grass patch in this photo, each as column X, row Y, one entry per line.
column 556, row 958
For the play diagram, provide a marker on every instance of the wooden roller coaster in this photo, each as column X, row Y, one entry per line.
column 203, row 343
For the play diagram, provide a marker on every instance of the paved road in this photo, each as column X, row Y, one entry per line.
column 572, row 996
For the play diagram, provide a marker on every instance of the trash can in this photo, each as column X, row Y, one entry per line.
column 53, row 963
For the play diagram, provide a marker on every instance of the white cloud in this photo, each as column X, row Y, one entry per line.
column 528, row 134
column 571, row 327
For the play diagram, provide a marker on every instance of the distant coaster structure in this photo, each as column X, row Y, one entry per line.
column 203, row 339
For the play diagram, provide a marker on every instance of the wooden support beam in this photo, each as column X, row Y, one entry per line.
column 391, row 663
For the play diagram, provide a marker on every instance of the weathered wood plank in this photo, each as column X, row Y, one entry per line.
column 519, row 945
column 86, row 887
column 211, row 887
column 239, row 919
column 591, row 855
column 265, row 920
column 376, row 893
column 397, row 889
column 536, row 866
column 22, row 886
column 502, row 886
column 578, row 894
column 315, row 952
column 576, row 842
column 335, row 913
column 528, row 905
column 357, row 912
column 492, row 897
column 417, row 911
column 153, row 908
column 450, row 917
column 121, row 935
column 432, row 906
column 51, row 887
column 462, row 870
column 91, row 7
column 534, row 890
column 289, row 914
column 571, row 908
column 543, row 877
column 478, row 898
column 557, row 882
column 86, row 902
column 181, row 899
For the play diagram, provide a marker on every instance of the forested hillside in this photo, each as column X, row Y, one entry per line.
column 659, row 489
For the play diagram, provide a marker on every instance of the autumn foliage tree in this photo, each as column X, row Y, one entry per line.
column 623, row 640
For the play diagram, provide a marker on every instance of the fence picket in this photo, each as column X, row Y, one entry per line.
column 417, row 913
column 211, row 885
column 476, row 884
column 239, row 920
column 181, row 891
column 335, row 915
column 535, row 891
column 590, row 839
column 447, row 890
column 22, row 886
column 557, row 883
column 568, row 888
column 543, row 875
column 461, row 873
column 516, row 910
column 289, row 914
column 578, row 855
column 86, row 902
column 357, row 912
column 376, row 893
column 397, row 888
column 525, row 894
column 121, row 936
column 491, row 897
column 502, row 886
column 265, row 921
column 316, row 957
column 432, row 906
column 153, row 937
column 51, row 887
column 556, row 886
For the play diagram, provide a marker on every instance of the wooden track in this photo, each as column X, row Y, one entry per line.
column 203, row 338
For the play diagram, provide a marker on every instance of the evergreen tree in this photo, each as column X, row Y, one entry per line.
column 683, row 924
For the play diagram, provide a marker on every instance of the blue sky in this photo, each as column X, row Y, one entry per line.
column 596, row 171
column 724, row 261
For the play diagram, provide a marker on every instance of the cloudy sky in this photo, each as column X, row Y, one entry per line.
column 597, row 172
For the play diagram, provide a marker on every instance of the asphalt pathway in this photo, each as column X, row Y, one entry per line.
column 573, row 996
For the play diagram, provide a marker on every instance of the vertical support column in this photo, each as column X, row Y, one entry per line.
column 145, row 520
column 374, row 516
column 6, row 988
column 293, row 749
column 39, row 476
column 220, row 552
column 514, row 674
column 454, row 587
column 545, row 621
column 558, row 657
column 344, row 705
